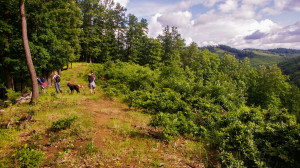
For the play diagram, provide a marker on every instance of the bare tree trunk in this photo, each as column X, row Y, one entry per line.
column 23, row 85
column 49, row 80
column 9, row 78
column 47, row 76
column 35, row 89
column 90, row 59
column 59, row 71
column 71, row 65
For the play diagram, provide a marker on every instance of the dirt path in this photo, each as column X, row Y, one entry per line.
column 123, row 136
column 107, row 133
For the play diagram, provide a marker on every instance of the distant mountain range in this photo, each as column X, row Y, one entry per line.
column 257, row 56
column 287, row 59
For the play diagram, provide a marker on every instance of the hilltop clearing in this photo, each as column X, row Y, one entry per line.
column 81, row 130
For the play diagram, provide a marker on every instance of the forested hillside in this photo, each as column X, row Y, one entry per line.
column 257, row 56
column 292, row 68
column 240, row 115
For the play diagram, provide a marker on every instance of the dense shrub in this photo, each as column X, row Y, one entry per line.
column 174, row 124
column 254, row 137
column 165, row 100
column 28, row 158
column 63, row 123
column 134, row 76
column 12, row 96
column 240, row 111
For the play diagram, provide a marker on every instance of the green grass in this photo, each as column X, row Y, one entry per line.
column 265, row 58
column 124, row 137
column 260, row 58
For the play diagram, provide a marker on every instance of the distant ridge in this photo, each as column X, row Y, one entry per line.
column 291, row 67
column 257, row 56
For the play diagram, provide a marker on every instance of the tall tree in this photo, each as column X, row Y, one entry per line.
column 91, row 39
column 135, row 38
column 189, row 54
column 172, row 43
column 6, row 31
column 35, row 91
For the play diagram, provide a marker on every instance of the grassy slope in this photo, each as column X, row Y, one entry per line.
column 260, row 58
column 266, row 58
column 107, row 133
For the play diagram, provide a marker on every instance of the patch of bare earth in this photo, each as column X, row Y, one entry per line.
column 138, row 149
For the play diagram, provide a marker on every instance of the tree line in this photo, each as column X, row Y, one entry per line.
column 63, row 31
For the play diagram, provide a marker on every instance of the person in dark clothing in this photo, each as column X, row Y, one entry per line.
column 56, row 79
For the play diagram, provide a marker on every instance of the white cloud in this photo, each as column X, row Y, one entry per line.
column 210, row 3
column 149, row 9
column 122, row 2
column 282, row 5
column 188, row 40
column 286, row 37
column 177, row 19
column 228, row 6
column 155, row 28
column 232, row 22
column 257, row 2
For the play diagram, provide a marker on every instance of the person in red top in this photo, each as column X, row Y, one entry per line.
column 41, row 81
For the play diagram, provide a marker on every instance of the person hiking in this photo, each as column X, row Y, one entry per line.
column 92, row 84
column 56, row 79
column 41, row 81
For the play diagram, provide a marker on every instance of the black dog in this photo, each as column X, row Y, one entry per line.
column 73, row 87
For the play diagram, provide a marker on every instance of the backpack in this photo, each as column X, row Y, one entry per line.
column 43, row 79
column 91, row 78
column 57, row 78
column 44, row 84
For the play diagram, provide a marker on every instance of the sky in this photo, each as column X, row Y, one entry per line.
column 262, row 24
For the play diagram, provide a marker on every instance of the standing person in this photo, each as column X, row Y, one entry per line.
column 41, row 81
column 92, row 84
column 56, row 79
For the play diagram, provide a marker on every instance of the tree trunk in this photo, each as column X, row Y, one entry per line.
column 23, row 85
column 35, row 89
column 67, row 66
column 49, row 80
column 59, row 71
column 9, row 78
column 90, row 59
column 71, row 65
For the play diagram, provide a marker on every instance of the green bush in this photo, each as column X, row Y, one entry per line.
column 166, row 100
column 134, row 76
column 12, row 96
column 90, row 149
column 28, row 158
column 63, row 123
column 253, row 137
column 173, row 124
column 209, row 100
